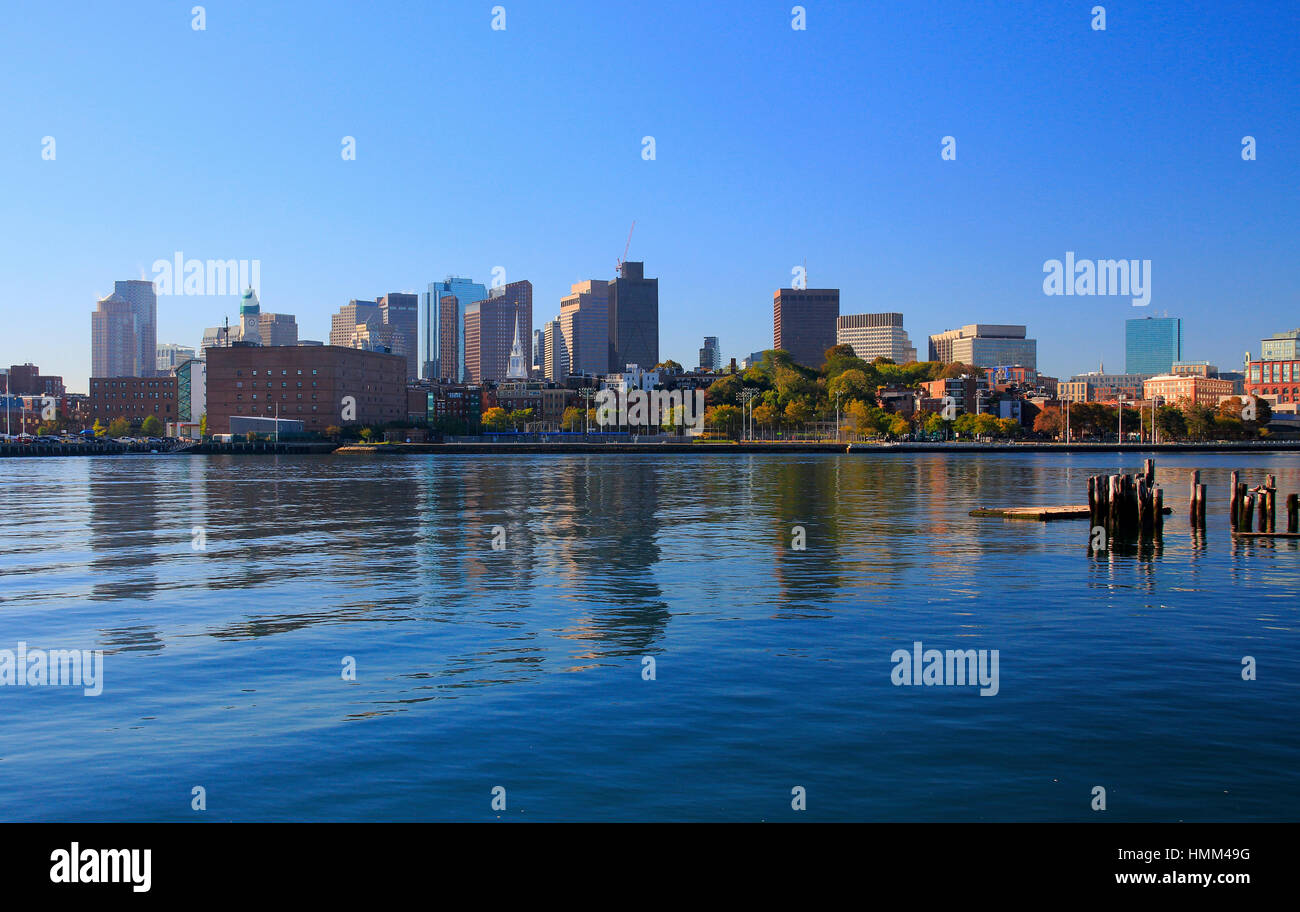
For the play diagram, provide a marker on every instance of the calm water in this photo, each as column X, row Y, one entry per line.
column 522, row 667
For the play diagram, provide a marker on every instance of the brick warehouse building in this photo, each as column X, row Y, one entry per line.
column 132, row 398
column 305, row 383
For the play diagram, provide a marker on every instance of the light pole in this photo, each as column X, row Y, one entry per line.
column 1067, row 419
column 1120, row 400
column 747, row 395
column 586, row 393
column 838, row 394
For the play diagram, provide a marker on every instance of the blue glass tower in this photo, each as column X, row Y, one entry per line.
column 1152, row 345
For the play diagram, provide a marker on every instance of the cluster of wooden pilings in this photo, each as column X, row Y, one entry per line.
column 1261, row 501
column 1197, row 511
column 1127, row 505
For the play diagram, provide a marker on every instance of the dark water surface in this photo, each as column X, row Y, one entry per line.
column 523, row 668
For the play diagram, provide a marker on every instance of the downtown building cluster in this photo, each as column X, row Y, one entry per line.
column 446, row 357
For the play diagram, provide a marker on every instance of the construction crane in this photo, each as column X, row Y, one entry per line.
column 618, row 267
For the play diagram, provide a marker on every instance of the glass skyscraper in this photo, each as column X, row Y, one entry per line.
column 1152, row 345
column 441, row 343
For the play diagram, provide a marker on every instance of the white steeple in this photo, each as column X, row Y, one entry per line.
column 518, row 369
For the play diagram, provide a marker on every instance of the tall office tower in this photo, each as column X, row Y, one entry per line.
column 144, row 302
column 710, row 354
column 250, row 319
column 584, row 320
column 401, row 311
column 191, row 387
column 442, row 344
column 115, row 339
column 519, row 362
column 489, row 330
column 803, row 322
column 985, row 345
column 278, row 329
column 343, row 325
column 878, row 335
column 171, row 356
column 633, row 318
column 539, row 351
column 1152, row 344
column 555, row 358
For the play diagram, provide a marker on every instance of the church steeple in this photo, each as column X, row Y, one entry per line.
column 518, row 369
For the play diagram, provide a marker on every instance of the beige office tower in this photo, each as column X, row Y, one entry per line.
column 584, row 321
column 875, row 335
column 555, row 355
column 278, row 329
column 343, row 325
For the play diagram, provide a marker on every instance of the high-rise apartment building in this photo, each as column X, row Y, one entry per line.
column 584, row 321
column 985, row 345
column 633, row 318
column 143, row 298
column 710, row 354
column 1152, row 344
column 442, row 344
column 114, row 339
column 539, row 351
column 490, row 330
column 875, row 335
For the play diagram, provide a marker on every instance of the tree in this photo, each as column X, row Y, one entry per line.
column 668, row 365
column 99, row 429
column 366, row 433
column 119, row 428
column 986, row 425
column 935, row 426
column 496, row 419
column 764, row 416
column 797, row 412
column 852, row 385
column 151, row 426
column 1050, row 421
column 571, row 420
column 1199, row 421
column 1009, row 428
column 333, row 431
column 722, row 417
column 1170, row 423
column 898, row 426
column 203, row 425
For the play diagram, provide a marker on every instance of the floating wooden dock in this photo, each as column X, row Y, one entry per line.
column 1042, row 514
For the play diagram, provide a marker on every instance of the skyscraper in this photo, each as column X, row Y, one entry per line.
column 1152, row 344
column 489, row 330
column 278, row 329
column 114, row 339
column 633, row 318
column 343, row 325
column 710, row 354
column 555, row 363
column 141, row 295
column 401, row 311
column 442, row 344
column 803, row 322
column 584, row 321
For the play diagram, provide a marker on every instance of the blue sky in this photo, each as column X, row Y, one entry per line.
column 522, row 149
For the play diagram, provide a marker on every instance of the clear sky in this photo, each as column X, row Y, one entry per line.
column 522, row 148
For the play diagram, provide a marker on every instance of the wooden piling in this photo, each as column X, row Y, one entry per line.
column 1149, row 472
column 1159, row 506
column 1200, row 506
column 1234, row 507
column 1293, row 513
column 1247, row 521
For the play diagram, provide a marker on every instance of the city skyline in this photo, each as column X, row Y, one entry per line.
column 879, row 215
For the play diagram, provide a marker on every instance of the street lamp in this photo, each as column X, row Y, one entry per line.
column 838, row 394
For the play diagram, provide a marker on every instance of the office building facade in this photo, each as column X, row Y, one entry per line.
column 490, row 330
column 633, row 317
column 876, row 335
column 584, row 321
column 442, row 344
column 803, row 323
column 1152, row 345
column 985, row 345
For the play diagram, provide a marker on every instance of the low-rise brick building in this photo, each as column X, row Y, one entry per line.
column 319, row 385
column 132, row 398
